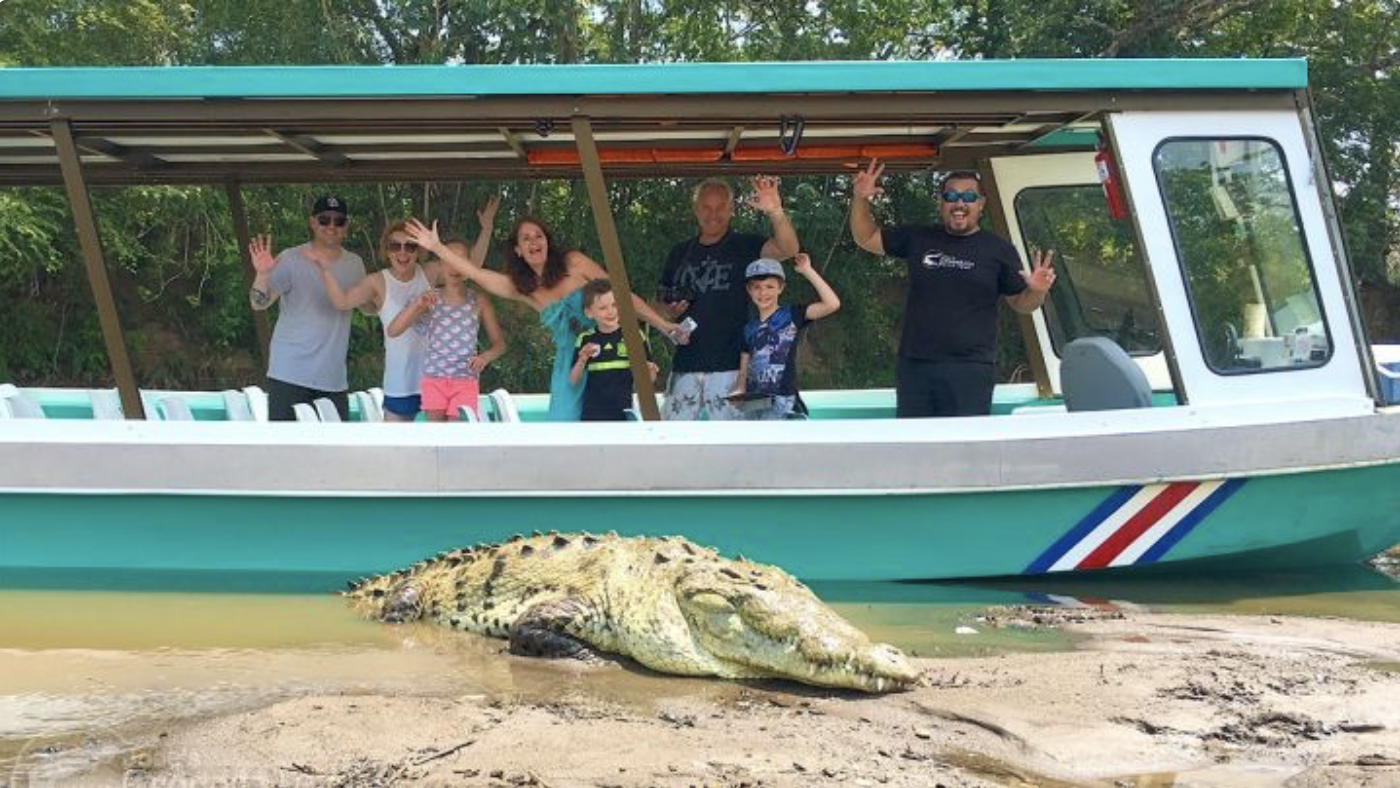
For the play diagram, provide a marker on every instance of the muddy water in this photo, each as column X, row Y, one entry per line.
column 85, row 673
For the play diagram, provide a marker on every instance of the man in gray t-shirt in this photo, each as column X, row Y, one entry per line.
column 311, row 337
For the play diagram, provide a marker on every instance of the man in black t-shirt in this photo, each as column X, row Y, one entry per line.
column 704, row 281
column 956, row 275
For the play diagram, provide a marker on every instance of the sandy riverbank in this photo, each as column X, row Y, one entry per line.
column 1147, row 699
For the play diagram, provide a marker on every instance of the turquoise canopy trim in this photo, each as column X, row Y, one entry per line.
column 669, row 78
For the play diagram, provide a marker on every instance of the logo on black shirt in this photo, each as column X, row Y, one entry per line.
column 937, row 259
column 706, row 276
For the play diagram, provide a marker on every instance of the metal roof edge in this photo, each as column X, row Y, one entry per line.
column 271, row 82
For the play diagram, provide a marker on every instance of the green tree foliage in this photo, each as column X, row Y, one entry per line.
column 178, row 277
column 82, row 32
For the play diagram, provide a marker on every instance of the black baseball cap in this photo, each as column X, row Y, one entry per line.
column 329, row 203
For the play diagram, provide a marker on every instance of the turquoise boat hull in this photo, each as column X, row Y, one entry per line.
column 1302, row 519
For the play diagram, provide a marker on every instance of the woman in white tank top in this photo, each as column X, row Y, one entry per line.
column 384, row 294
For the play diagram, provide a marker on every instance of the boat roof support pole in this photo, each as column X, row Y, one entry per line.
column 617, row 269
column 240, row 231
column 86, row 224
column 1035, row 356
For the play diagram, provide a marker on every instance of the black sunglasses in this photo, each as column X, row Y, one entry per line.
column 968, row 196
column 406, row 246
column 328, row 219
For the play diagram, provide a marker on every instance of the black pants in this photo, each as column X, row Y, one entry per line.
column 281, row 396
column 943, row 388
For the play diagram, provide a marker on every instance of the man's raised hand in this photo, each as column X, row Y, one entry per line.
column 765, row 197
column 1042, row 273
column 260, row 249
column 867, row 181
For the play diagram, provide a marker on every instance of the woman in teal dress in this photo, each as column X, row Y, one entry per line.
column 547, row 278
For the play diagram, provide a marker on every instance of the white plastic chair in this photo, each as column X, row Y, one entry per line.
column 106, row 405
column 504, row 405
column 369, row 409
column 634, row 413
column 305, row 412
column 236, row 406
column 378, row 395
column 257, row 402
column 20, row 405
column 325, row 409
column 175, row 409
column 465, row 413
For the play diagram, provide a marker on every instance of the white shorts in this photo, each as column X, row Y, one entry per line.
column 691, row 394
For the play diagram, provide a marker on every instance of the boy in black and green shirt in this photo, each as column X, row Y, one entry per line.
column 603, row 357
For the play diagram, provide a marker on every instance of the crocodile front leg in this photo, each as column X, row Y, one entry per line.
column 545, row 630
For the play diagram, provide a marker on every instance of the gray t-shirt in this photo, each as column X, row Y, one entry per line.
column 312, row 336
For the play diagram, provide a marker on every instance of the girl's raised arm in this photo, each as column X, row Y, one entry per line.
column 486, row 217
column 493, row 282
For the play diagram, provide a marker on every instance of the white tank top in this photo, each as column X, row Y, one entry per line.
column 403, row 354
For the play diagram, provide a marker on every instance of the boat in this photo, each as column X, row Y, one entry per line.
column 1205, row 397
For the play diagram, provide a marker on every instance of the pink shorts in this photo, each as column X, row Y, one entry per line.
column 448, row 394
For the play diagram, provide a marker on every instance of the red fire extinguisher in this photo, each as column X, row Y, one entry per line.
column 1108, row 177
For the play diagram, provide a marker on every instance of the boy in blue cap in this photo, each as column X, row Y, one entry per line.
column 766, row 388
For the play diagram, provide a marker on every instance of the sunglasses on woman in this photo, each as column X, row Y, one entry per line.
column 328, row 219
column 406, row 246
column 953, row 195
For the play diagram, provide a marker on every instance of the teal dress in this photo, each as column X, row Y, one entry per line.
column 565, row 320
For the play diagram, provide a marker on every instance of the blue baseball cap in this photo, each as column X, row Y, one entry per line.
column 763, row 267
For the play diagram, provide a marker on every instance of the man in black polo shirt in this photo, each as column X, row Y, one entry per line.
column 704, row 281
column 957, row 273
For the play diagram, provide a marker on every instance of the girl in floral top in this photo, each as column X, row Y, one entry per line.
column 451, row 318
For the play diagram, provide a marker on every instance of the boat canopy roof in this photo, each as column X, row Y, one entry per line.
column 345, row 123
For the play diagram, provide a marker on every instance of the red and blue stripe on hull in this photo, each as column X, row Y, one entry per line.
column 1135, row 525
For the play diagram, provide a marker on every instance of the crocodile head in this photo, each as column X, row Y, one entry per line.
column 757, row 621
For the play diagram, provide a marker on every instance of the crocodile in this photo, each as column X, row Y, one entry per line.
column 668, row 604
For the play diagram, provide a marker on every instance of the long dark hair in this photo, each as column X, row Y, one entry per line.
column 522, row 276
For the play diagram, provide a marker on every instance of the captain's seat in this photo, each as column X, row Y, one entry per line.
column 1097, row 374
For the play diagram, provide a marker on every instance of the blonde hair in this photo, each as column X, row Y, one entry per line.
column 400, row 226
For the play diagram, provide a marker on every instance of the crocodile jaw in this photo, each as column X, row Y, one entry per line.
column 791, row 635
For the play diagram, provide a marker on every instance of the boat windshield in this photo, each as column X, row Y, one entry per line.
column 1241, row 245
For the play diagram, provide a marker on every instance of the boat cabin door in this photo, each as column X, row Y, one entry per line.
column 1055, row 201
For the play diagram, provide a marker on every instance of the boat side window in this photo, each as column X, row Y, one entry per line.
column 1242, row 251
column 1100, row 287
